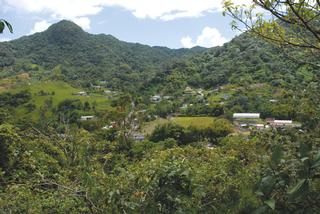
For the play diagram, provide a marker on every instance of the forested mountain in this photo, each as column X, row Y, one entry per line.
column 83, row 55
column 65, row 50
column 245, row 60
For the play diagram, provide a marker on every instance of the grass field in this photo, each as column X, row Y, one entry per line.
column 58, row 91
column 198, row 122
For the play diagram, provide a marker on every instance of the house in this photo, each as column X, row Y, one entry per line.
column 189, row 91
column 259, row 126
column 246, row 115
column 81, row 93
column 97, row 87
column 281, row 123
column 155, row 98
column 244, row 125
column 112, row 125
column 86, row 118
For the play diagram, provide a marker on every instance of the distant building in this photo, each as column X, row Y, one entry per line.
column 112, row 125
column 246, row 115
column 189, row 91
column 156, row 98
column 259, row 126
column 98, row 87
column 273, row 101
column 86, row 118
column 283, row 123
column 244, row 125
column 81, row 93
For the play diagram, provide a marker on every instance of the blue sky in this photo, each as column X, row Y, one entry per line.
column 171, row 23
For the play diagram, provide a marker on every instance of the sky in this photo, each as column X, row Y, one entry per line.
column 170, row 23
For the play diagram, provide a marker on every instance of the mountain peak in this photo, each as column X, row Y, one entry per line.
column 66, row 24
column 64, row 32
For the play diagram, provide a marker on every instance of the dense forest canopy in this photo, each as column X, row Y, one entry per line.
column 82, row 56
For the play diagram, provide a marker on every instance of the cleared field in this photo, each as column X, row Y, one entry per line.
column 57, row 91
column 199, row 122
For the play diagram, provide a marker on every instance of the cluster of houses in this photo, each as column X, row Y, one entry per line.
column 253, row 120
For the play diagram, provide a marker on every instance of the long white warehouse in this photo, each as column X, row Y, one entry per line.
column 246, row 115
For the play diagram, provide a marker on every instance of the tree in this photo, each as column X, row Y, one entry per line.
column 288, row 24
column 4, row 24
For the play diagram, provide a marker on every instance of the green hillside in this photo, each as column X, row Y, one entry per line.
column 84, row 57
column 54, row 92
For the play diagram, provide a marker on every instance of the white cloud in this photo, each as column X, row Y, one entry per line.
column 187, row 42
column 40, row 26
column 4, row 39
column 83, row 22
column 79, row 10
column 210, row 37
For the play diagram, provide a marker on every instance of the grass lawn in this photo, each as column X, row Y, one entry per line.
column 199, row 122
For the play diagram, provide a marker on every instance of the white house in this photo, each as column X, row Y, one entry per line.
column 156, row 98
column 86, row 118
column 246, row 115
column 81, row 93
column 283, row 122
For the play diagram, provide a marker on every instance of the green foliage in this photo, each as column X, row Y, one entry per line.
column 13, row 100
column 4, row 24
column 66, row 52
column 290, row 183
column 217, row 128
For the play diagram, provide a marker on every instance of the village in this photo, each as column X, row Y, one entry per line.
column 242, row 122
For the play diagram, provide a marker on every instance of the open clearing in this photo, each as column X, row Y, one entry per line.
column 198, row 122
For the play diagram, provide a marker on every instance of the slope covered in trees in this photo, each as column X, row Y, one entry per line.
column 244, row 61
column 86, row 56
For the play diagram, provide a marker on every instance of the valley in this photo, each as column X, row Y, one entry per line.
column 93, row 124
